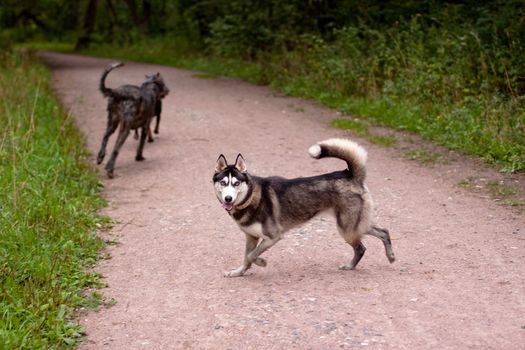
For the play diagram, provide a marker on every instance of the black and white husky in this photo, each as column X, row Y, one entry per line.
column 265, row 208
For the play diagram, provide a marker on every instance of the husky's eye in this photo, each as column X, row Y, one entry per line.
column 236, row 184
column 223, row 183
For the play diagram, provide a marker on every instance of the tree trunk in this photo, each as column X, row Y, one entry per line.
column 89, row 25
column 141, row 22
column 112, row 17
column 146, row 11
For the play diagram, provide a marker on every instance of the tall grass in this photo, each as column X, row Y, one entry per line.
column 48, row 212
column 445, row 84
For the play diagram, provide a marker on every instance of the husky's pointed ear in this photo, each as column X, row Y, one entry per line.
column 221, row 164
column 240, row 163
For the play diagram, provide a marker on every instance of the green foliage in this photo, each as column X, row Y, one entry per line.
column 433, row 76
column 247, row 28
column 48, row 212
column 31, row 19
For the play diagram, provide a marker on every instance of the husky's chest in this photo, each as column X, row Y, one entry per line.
column 255, row 229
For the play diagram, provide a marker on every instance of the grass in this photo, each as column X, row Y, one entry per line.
column 362, row 129
column 498, row 190
column 351, row 124
column 95, row 301
column 48, row 212
column 205, row 76
column 457, row 126
column 426, row 157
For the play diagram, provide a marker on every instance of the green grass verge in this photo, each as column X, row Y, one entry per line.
column 458, row 126
column 361, row 129
column 165, row 52
column 49, row 212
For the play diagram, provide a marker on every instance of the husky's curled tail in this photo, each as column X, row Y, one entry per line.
column 347, row 150
column 106, row 91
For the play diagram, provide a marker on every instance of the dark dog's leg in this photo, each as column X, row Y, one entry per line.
column 140, row 149
column 384, row 236
column 122, row 135
column 157, row 124
column 251, row 243
column 150, row 135
column 110, row 129
column 158, row 110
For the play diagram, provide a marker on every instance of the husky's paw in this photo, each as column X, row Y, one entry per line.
column 347, row 267
column 235, row 273
column 139, row 158
column 260, row 262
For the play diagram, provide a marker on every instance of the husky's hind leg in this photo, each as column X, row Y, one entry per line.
column 346, row 224
column 359, row 251
column 384, row 236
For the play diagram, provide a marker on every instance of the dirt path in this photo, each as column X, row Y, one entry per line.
column 459, row 281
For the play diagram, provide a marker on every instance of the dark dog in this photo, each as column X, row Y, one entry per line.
column 131, row 107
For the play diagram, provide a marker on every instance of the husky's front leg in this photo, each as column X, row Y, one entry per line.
column 251, row 243
column 265, row 244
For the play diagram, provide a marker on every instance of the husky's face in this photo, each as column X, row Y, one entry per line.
column 230, row 182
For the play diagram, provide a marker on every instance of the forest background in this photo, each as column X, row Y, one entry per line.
column 451, row 71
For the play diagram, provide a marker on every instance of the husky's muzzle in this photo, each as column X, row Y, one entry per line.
column 227, row 203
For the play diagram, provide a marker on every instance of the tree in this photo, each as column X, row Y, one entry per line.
column 89, row 25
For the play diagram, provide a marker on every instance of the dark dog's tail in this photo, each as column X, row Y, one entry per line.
column 105, row 91
column 347, row 150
